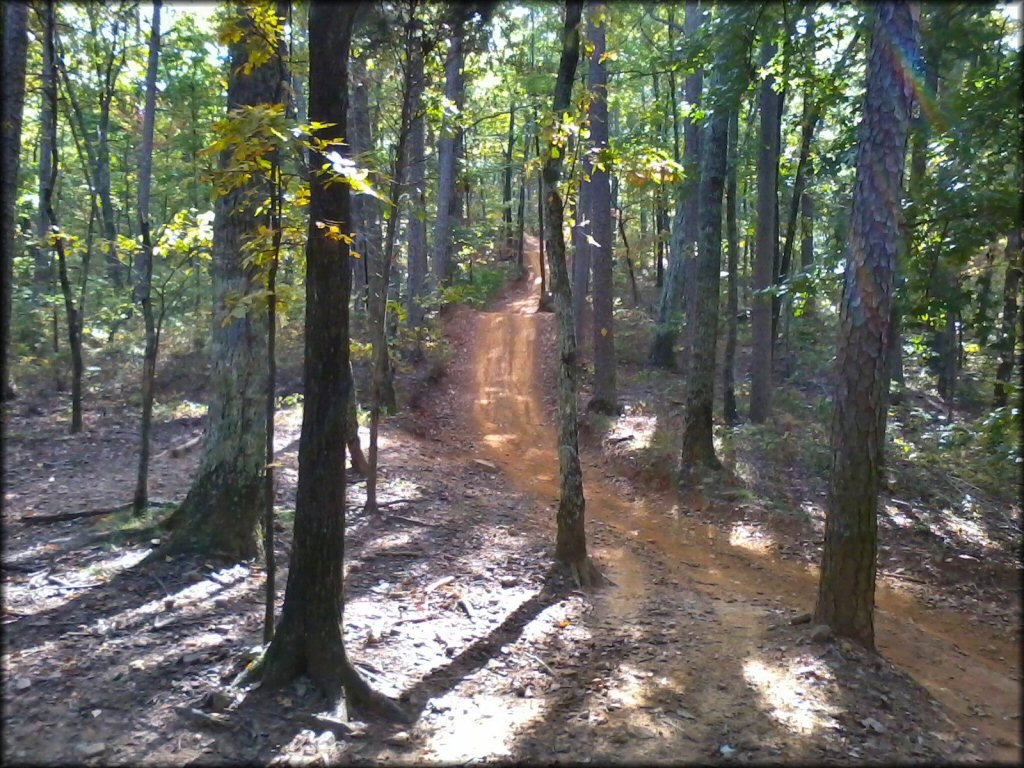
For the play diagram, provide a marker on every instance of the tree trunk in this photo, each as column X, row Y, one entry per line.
column 381, row 362
column 416, row 226
column 309, row 639
column 730, row 414
column 693, row 138
column 506, row 197
column 447, row 205
column 581, row 266
column 847, row 581
column 604, row 399
column 366, row 209
column 221, row 513
column 14, row 57
column 144, row 287
column 43, row 270
column 1011, row 309
column 729, row 81
column 807, row 243
column 683, row 240
column 571, row 541
column 71, row 311
column 767, row 245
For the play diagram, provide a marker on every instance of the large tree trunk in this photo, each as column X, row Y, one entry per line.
column 144, row 287
column 847, row 582
column 767, row 246
column 604, row 399
column 571, row 540
column 447, row 204
column 730, row 79
column 1011, row 315
column 222, row 510
column 14, row 58
column 682, row 254
column 309, row 638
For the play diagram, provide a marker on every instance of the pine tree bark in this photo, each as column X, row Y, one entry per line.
column 847, row 581
column 605, row 396
column 223, row 508
column 15, row 35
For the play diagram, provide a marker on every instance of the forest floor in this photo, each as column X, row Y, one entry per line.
column 698, row 653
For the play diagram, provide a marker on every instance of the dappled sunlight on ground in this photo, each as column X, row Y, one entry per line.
column 786, row 693
column 637, row 428
column 751, row 536
column 45, row 592
column 483, row 727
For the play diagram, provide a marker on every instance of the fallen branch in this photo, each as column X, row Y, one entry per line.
column 439, row 583
column 411, row 520
column 179, row 450
column 63, row 516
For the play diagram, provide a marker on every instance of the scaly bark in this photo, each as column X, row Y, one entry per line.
column 847, row 581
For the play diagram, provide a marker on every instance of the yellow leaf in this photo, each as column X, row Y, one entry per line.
column 604, row 331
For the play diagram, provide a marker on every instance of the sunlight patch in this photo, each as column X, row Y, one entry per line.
column 789, row 694
column 750, row 537
column 482, row 727
column 966, row 530
column 638, row 429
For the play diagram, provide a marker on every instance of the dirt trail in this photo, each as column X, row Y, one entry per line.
column 971, row 670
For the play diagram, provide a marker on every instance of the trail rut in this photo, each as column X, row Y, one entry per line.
column 972, row 670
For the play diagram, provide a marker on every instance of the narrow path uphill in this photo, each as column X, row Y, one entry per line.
column 709, row 618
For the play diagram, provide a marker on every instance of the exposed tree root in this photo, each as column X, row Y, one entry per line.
column 586, row 575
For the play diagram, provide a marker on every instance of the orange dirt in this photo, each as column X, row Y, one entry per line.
column 972, row 670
